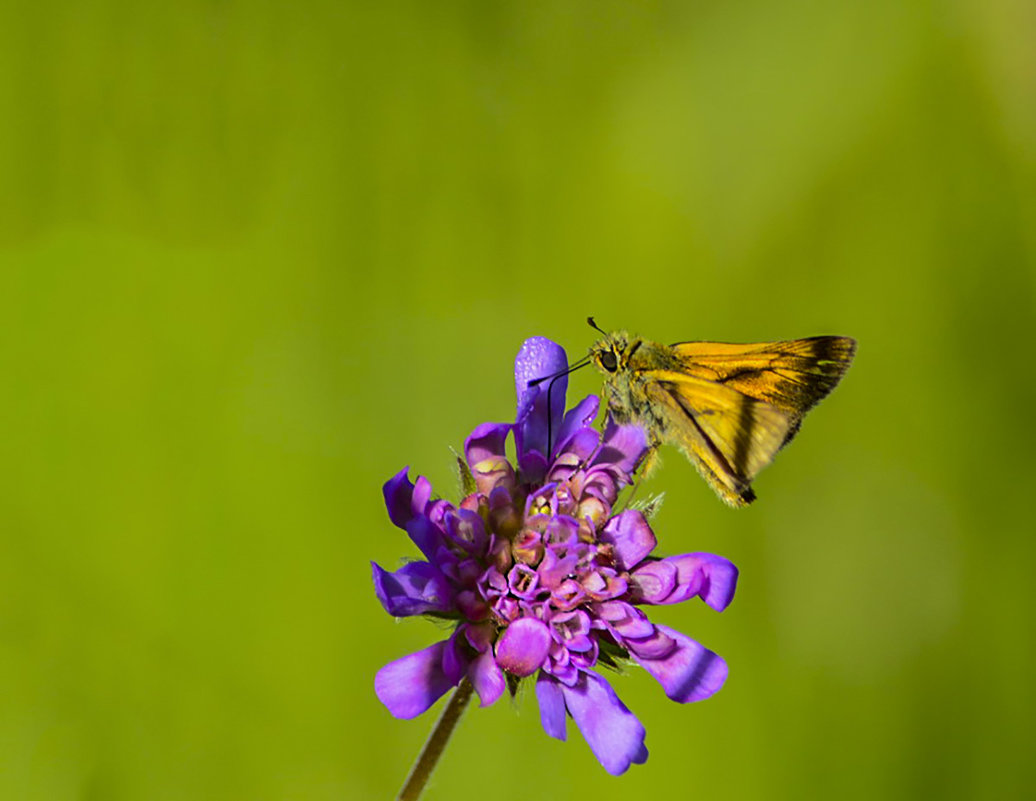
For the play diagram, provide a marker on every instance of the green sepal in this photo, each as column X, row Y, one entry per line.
column 465, row 480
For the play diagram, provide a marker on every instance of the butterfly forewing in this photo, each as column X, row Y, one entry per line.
column 793, row 375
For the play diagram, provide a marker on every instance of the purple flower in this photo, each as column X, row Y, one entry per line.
column 543, row 577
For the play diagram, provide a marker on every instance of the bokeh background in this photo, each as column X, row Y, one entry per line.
column 255, row 257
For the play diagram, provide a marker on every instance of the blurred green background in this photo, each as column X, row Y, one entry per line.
column 255, row 257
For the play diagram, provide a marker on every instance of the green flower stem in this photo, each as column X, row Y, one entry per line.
column 433, row 749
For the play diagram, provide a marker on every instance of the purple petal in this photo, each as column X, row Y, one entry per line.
column 656, row 646
column 653, row 582
column 471, row 605
column 399, row 493
column 414, row 589
column 622, row 445
column 624, row 620
column 412, row 684
column 690, row 671
column 422, row 494
column 538, row 358
column 562, row 530
column 603, row 584
column 707, row 575
column 552, row 706
column 487, row 678
column 586, row 659
column 556, row 567
column 610, row 729
column 572, row 630
column 563, row 670
column 426, row 536
column 523, row 647
column 576, row 420
column 720, row 580
column 604, row 481
column 506, row 608
column 454, row 660
column 571, row 456
column 485, row 451
column 480, row 636
column 532, row 465
column 567, row 595
column 523, row 581
column 486, row 441
column 467, row 530
column 632, row 537
column 434, row 510
column 504, row 517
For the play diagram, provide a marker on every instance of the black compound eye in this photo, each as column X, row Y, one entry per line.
column 609, row 362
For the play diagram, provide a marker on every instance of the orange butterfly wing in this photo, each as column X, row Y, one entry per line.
column 732, row 407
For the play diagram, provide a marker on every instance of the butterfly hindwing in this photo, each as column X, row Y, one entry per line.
column 728, row 435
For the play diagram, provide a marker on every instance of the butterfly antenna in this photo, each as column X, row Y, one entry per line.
column 592, row 324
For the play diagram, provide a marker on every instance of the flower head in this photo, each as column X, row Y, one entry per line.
column 543, row 577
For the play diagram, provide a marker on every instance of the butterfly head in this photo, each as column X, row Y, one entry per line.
column 613, row 354
column 608, row 354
